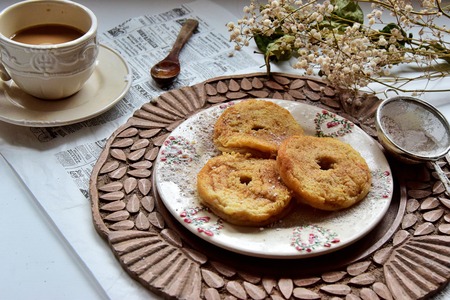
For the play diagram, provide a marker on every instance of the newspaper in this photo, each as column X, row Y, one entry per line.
column 55, row 163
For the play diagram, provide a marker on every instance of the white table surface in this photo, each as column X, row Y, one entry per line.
column 36, row 261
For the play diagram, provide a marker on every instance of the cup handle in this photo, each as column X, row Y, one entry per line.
column 3, row 73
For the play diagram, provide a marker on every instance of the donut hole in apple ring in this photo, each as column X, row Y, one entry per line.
column 326, row 163
column 257, row 127
column 244, row 179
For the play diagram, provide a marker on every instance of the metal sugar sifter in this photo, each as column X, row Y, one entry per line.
column 414, row 131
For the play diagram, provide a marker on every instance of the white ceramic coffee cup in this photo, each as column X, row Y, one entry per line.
column 51, row 71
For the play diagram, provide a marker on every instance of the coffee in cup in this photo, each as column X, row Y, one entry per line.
column 47, row 34
column 48, row 47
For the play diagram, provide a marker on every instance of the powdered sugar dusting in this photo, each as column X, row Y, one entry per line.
column 306, row 231
column 414, row 128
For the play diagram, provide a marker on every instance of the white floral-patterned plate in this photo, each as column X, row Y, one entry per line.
column 305, row 232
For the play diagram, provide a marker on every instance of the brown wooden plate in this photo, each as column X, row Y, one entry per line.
column 405, row 257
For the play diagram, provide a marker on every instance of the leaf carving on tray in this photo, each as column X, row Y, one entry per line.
column 269, row 284
column 144, row 186
column 151, row 154
column 111, row 187
column 118, row 173
column 382, row 290
column 133, row 204
column 149, row 133
column 236, row 289
column 286, row 286
column 143, row 164
column 254, row 291
column 122, row 143
column 303, row 293
column 274, row 85
column 129, row 184
column 287, row 96
column 429, row 203
column 369, row 294
column 234, row 86
column 433, row 215
column 249, row 277
column 331, row 277
column 122, row 225
column 246, row 85
column 412, row 205
column 281, row 79
column 400, row 237
column 222, row 87
column 118, row 216
column 113, row 206
column 113, row 196
column 256, row 83
column 140, row 173
column 212, row 294
column 408, row 221
column 358, row 268
column 139, row 144
column 444, row 228
column 424, row 229
column 142, row 222
column 337, row 289
column 118, row 154
column 148, row 203
column 363, row 279
column 129, row 132
column 307, row 281
column 210, row 90
column 212, row 279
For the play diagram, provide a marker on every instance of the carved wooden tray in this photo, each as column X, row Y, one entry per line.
column 405, row 257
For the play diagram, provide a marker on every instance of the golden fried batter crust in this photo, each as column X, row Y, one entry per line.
column 254, row 126
column 243, row 190
column 323, row 172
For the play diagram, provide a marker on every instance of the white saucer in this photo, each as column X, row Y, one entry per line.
column 108, row 84
column 306, row 232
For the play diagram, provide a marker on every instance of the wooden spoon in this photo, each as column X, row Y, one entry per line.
column 164, row 72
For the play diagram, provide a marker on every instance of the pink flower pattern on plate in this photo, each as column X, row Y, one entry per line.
column 328, row 124
column 310, row 237
column 201, row 222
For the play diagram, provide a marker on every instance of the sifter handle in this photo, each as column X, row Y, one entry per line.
column 444, row 179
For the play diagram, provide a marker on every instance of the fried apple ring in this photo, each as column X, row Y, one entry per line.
column 243, row 190
column 254, row 126
column 324, row 173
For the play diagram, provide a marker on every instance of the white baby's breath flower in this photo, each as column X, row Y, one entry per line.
column 378, row 14
column 348, row 57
